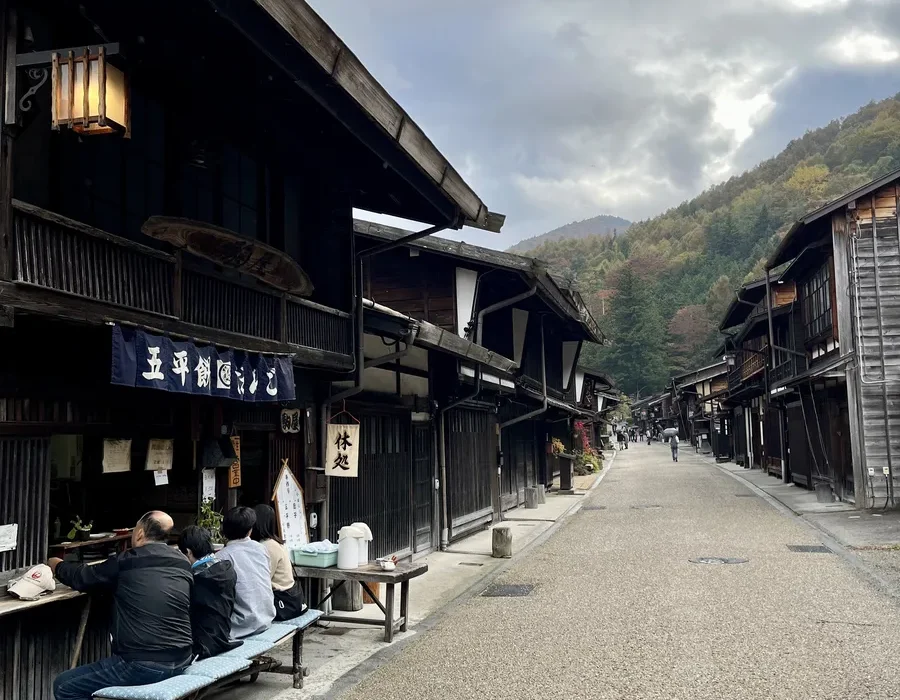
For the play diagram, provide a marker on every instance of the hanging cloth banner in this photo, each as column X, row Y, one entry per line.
column 342, row 451
column 148, row 361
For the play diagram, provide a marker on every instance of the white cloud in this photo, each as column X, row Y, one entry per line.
column 555, row 110
column 864, row 48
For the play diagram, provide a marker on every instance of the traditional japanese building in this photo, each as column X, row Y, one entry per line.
column 179, row 278
column 842, row 393
column 506, row 305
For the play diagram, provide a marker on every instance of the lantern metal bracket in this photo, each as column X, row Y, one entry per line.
column 38, row 76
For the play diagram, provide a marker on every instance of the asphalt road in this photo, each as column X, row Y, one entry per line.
column 619, row 610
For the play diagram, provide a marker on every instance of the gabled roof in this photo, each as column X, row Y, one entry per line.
column 566, row 300
column 742, row 304
column 797, row 237
column 701, row 375
column 602, row 376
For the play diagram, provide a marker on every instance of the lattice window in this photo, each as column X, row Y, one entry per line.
column 817, row 303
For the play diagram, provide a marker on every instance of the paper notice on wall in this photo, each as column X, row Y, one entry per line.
column 209, row 484
column 160, row 454
column 161, row 477
column 9, row 537
column 342, row 450
column 116, row 456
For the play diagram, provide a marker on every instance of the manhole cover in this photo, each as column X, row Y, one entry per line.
column 718, row 560
column 810, row 548
column 470, row 563
column 593, row 507
column 508, row 590
column 645, row 507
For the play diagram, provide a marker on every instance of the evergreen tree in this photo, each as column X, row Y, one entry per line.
column 637, row 357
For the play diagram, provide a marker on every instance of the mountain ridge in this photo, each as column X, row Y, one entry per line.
column 601, row 225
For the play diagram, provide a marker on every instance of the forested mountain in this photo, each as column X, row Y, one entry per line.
column 603, row 225
column 692, row 257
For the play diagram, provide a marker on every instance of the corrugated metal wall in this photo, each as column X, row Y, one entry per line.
column 877, row 325
column 25, row 498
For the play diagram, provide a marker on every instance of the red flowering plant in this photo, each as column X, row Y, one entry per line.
column 587, row 461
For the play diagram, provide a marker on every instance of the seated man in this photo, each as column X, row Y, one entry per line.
column 254, row 606
column 151, row 587
column 212, row 601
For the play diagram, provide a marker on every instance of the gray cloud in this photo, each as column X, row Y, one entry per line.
column 556, row 110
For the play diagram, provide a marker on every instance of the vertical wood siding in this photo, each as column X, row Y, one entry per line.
column 25, row 498
column 878, row 302
column 381, row 496
column 471, row 462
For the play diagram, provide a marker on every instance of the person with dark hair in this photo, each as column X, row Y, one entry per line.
column 289, row 599
column 254, row 607
column 212, row 600
column 151, row 587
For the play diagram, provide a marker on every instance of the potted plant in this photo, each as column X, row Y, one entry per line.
column 211, row 519
column 80, row 530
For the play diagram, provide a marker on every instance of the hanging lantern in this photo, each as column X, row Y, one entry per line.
column 90, row 95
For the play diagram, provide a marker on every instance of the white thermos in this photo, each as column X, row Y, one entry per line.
column 349, row 538
column 363, row 542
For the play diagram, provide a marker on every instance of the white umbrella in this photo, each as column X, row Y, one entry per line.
column 669, row 432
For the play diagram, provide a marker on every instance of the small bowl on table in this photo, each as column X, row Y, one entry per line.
column 387, row 564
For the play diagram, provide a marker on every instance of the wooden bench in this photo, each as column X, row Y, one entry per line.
column 246, row 661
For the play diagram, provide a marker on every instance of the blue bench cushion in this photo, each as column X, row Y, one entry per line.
column 275, row 633
column 248, row 650
column 216, row 667
column 304, row 621
column 169, row 689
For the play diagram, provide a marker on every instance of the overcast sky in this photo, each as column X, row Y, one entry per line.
column 558, row 110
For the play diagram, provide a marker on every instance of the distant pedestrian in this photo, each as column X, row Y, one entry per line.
column 620, row 436
column 673, row 443
column 649, row 438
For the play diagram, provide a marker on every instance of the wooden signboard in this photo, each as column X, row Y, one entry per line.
column 234, row 471
column 290, row 508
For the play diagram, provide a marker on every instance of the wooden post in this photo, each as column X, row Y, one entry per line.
column 840, row 241
column 177, row 285
column 7, row 109
column 501, row 543
column 79, row 636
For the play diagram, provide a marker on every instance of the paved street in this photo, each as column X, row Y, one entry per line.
column 619, row 611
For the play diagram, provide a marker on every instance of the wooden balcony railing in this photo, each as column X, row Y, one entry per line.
column 749, row 367
column 54, row 252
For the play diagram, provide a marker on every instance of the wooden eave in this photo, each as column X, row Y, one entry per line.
column 345, row 73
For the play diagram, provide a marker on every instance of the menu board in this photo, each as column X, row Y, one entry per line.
column 290, row 508
column 116, row 456
column 160, row 454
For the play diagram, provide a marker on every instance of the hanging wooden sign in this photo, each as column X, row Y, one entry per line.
column 234, row 471
column 342, row 450
column 290, row 507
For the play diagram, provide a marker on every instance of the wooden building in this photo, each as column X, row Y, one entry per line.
column 844, row 396
column 177, row 273
column 694, row 395
column 507, row 305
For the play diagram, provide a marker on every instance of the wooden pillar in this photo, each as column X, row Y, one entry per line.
column 7, row 123
column 843, row 302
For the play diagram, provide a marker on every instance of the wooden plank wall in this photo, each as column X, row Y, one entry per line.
column 878, row 288
column 421, row 287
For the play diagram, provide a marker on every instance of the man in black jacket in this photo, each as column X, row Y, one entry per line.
column 151, row 633
column 212, row 600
